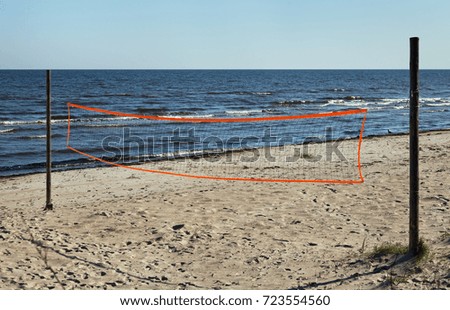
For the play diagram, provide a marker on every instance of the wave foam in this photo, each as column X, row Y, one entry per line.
column 244, row 112
column 5, row 131
column 189, row 116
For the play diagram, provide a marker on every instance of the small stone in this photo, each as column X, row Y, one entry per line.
column 74, row 280
column 344, row 246
column 178, row 226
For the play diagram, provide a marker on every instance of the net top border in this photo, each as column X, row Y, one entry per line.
column 219, row 120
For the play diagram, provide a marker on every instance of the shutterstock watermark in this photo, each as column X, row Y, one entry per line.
column 188, row 143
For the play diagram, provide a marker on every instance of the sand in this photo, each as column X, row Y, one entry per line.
column 114, row 228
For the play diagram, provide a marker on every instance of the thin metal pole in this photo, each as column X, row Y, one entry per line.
column 48, row 203
column 414, row 147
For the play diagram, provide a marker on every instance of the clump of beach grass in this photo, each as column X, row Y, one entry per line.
column 424, row 252
column 389, row 249
column 400, row 249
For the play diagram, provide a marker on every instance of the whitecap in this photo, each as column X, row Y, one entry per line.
column 11, row 130
column 244, row 112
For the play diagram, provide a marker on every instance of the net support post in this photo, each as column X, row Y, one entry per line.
column 414, row 147
column 48, row 201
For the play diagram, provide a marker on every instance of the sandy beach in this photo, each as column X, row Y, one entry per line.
column 114, row 228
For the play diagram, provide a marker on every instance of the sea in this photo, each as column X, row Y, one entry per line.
column 203, row 94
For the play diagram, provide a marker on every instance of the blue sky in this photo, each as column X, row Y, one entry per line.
column 222, row 34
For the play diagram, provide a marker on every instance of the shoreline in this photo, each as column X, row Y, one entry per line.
column 97, row 164
column 120, row 229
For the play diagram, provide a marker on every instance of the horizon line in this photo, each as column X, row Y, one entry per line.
column 218, row 69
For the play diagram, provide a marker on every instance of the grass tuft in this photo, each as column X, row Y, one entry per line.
column 399, row 249
column 389, row 249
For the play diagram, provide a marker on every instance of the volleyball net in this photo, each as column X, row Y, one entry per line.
column 321, row 147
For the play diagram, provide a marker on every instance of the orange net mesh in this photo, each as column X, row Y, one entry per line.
column 322, row 147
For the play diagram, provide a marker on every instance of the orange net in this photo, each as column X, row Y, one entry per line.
column 321, row 147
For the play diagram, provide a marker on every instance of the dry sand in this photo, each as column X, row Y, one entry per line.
column 114, row 228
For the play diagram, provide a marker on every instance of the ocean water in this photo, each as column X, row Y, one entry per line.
column 206, row 94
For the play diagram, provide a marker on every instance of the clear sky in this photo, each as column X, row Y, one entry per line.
column 222, row 34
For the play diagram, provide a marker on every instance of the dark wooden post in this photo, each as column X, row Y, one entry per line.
column 414, row 147
column 48, row 202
